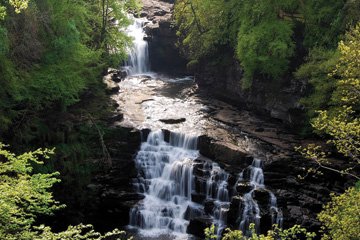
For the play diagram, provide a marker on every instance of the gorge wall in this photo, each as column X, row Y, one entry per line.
column 223, row 79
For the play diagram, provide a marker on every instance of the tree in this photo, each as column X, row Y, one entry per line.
column 26, row 195
column 18, row 5
column 341, row 216
column 341, row 126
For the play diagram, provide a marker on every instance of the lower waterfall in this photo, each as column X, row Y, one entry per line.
column 179, row 185
column 166, row 169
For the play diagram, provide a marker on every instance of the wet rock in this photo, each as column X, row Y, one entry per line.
column 144, row 134
column 163, row 52
column 192, row 212
column 111, row 87
column 143, row 14
column 119, row 76
column 200, row 184
column 95, row 188
column 116, row 118
column 173, row 121
column 262, row 197
column 259, row 129
column 221, row 152
column 160, row 12
column 243, row 187
column 196, row 226
column 209, row 206
column 147, row 38
column 198, row 198
column 167, row 135
column 234, row 211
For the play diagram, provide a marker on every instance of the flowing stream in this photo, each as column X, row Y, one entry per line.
column 178, row 184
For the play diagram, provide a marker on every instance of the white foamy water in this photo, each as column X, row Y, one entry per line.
column 138, row 62
column 167, row 183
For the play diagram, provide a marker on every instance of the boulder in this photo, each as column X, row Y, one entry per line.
column 262, row 197
column 209, row 206
column 243, row 187
column 197, row 226
column 173, row 121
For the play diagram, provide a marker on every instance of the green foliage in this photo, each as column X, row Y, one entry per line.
column 341, row 217
column 25, row 196
column 315, row 71
column 264, row 40
column 202, row 26
column 52, row 51
column 264, row 35
column 341, row 126
column 323, row 22
column 18, row 5
column 296, row 232
column 79, row 232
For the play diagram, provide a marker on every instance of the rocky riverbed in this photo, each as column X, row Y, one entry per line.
column 232, row 138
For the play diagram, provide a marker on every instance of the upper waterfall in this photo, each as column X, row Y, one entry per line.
column 138, row 61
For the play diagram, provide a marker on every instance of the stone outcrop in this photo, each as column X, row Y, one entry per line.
column 277, row 100
column 163, row 53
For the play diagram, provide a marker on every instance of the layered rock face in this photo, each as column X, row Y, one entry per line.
column 163, row 53
column 279, row 101
column 110, row 194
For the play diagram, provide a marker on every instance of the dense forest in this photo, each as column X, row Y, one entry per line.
column 54, row 53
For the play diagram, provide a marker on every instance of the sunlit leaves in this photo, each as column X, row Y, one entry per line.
column 23, row 195
column 341, row 216
column 341, row 126
column 295, row 232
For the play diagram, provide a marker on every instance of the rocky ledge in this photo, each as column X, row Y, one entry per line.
column 161, row 35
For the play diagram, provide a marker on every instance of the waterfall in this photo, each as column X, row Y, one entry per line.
column 250, row 211
column 166, row 181
column 138, row 61
column 217, row 189
column 179, row 185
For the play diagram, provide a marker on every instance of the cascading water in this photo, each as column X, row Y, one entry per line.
column 172, row 172
column 167, row 182
column 138, row 62
column 250, row 212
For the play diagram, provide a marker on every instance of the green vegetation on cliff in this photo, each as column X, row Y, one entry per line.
column 269, row 38
column 53, row 51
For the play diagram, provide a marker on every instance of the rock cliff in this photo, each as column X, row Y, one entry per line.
column 163, row 53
